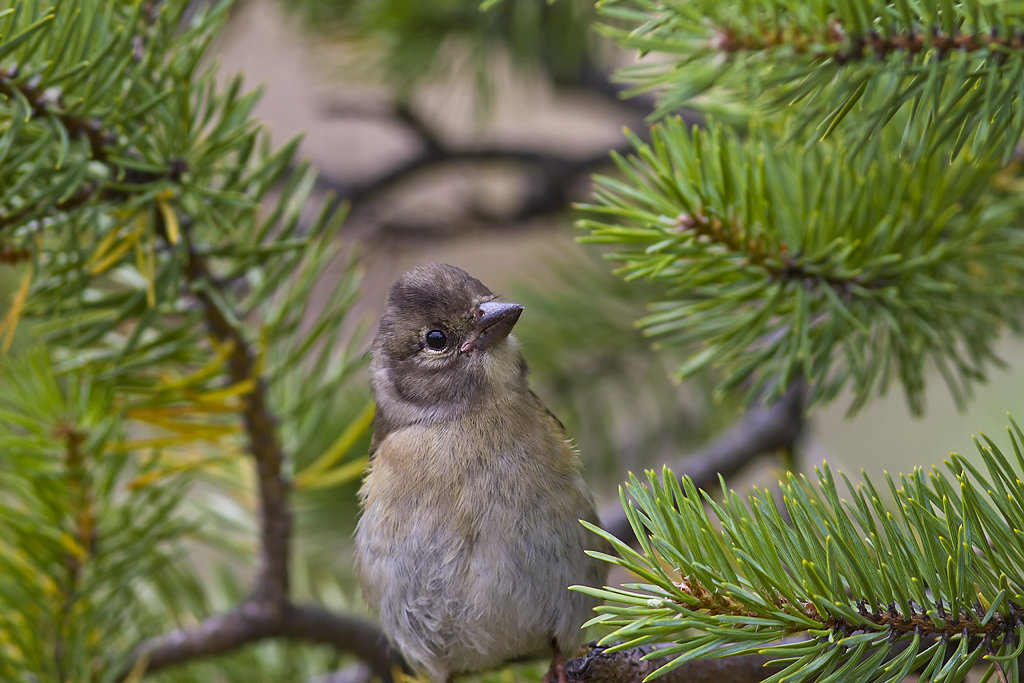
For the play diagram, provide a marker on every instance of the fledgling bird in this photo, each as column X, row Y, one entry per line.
column 469, row 536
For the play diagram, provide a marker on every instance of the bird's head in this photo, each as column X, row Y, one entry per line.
column 443, row 346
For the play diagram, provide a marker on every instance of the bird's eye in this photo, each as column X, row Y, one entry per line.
column 437, row 340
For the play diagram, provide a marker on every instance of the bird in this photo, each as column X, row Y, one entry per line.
column 469, row 534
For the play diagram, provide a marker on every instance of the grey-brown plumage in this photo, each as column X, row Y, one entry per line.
column 469, row 535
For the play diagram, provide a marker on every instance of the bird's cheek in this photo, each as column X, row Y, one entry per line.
column 500, row 366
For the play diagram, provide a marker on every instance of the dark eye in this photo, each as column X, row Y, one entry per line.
column 437, row 340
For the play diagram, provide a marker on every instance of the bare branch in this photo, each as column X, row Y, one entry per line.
column 552, row 176
column 271, row 587
column 222, row 633
column 253, row 621
column 432, row 158
column 347, row 633
column 627, row 666
column 762, row 430
column 594, row 664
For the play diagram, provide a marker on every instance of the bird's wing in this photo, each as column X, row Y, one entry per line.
column 381, row 429
column 540, row 403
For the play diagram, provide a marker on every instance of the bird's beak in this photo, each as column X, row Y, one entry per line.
column 494, row 321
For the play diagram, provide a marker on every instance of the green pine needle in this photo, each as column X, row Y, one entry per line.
column 775, row 265
column 827, row 582
column 831, row 67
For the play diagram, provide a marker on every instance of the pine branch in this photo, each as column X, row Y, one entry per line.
column 836, row 45
column 777, row 265
column 143, row 223
column 45, row 103
column 71, row 563
column 849, row 68
column 268, row 612
column 939, row 571
column 126, row 174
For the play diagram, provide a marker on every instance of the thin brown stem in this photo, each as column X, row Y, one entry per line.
column 272, row 583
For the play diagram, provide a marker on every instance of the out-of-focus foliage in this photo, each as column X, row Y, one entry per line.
column 407, row 42
column 83, row 534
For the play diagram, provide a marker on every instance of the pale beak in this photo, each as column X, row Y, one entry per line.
column 494, row 321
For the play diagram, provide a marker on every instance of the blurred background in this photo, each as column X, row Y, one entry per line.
column 348, row 77
column 454, row 135
column 465, row 138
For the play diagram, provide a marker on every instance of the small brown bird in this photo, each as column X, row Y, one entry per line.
column 469, row 535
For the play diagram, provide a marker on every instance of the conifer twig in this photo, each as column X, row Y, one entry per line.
column 252, row 621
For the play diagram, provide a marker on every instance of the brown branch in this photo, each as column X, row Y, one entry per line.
column 550, row 193
column 596, row 665
column 593, row 664
column 889, row 618
column 347, row 633
column 272, row 583
column 762, row 430
column 247, row 623
column 433, row 158
column 45, row 102
column 553, row 182
column 832, row 42
column 433, row 152
column 253, row 621
column 627, row 666
column 552, row 176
